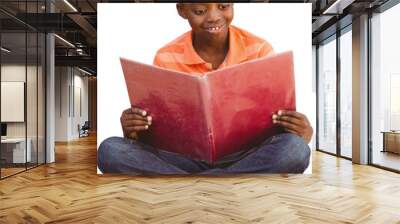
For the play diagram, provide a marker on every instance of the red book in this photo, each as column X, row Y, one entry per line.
column 212, row 115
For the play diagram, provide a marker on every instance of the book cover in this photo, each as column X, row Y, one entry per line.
column 209, row 116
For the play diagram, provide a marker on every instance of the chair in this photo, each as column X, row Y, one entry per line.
column 84, row 130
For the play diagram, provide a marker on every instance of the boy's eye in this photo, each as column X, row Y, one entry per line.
column 199, row 11
column 224, row 6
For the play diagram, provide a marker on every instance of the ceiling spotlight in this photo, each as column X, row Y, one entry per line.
column 71, row 6
column 64, row 40
column 5, row 50
column 84, row 71
column 337, row 7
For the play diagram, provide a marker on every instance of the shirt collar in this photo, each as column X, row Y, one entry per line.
column 235, row 55
column 237, row 48
column 190, row 56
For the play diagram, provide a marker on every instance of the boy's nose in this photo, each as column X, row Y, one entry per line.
column 214, row 16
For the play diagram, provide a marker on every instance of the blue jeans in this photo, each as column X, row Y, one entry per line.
column 283, row 153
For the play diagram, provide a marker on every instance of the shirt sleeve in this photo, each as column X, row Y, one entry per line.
column 157, row 61
column 266, row 49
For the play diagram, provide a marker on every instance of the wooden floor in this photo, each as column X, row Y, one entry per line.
column 5, row 172
column 10, row 171
column 70, row 191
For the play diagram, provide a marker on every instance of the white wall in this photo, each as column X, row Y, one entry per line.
column 33, row 127
column 80, row 83
column 62, row 81
column 67, row 115
column 12, row 101
column 313, row 120
column 12, row 73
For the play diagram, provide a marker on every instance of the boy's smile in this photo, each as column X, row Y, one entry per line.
column 215, row 29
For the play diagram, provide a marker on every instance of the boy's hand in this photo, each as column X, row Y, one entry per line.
column 294, row 122
column 134, row 120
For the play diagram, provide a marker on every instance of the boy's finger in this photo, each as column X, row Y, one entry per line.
column 291, row 113
column 287, row 118
column 292, row 120
column 128, row 111
column 139, row 111
column 141, row 128
column 291, row 131
column 136, row 128
column 134, row 117
column 130, row 123
column 294, row 114
column 286, row 124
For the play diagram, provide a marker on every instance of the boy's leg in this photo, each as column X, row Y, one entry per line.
column 121, row 155
column 283, row 153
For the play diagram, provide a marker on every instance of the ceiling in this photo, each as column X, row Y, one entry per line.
column 76, row 22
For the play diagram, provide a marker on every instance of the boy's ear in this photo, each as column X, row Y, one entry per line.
column 181, row 11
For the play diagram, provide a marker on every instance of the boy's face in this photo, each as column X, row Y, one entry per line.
column 209, row 19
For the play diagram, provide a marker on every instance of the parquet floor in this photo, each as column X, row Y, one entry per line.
column 9, row 171
column 70, row 191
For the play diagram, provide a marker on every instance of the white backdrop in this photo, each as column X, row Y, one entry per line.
column 137, row 31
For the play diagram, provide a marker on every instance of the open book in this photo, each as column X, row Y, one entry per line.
column 209, row 116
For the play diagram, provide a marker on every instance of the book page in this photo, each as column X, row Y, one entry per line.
column 175, row 103
column 244, row 98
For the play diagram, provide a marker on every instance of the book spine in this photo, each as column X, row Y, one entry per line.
column 207, row 110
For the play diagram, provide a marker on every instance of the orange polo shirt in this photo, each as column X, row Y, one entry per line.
column 180, row 55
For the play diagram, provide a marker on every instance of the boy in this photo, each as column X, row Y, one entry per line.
column 211, row 44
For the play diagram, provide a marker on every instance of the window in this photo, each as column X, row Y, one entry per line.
column 385, row 89
column 346, row 94
column 327, row 97
column 23, row 79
